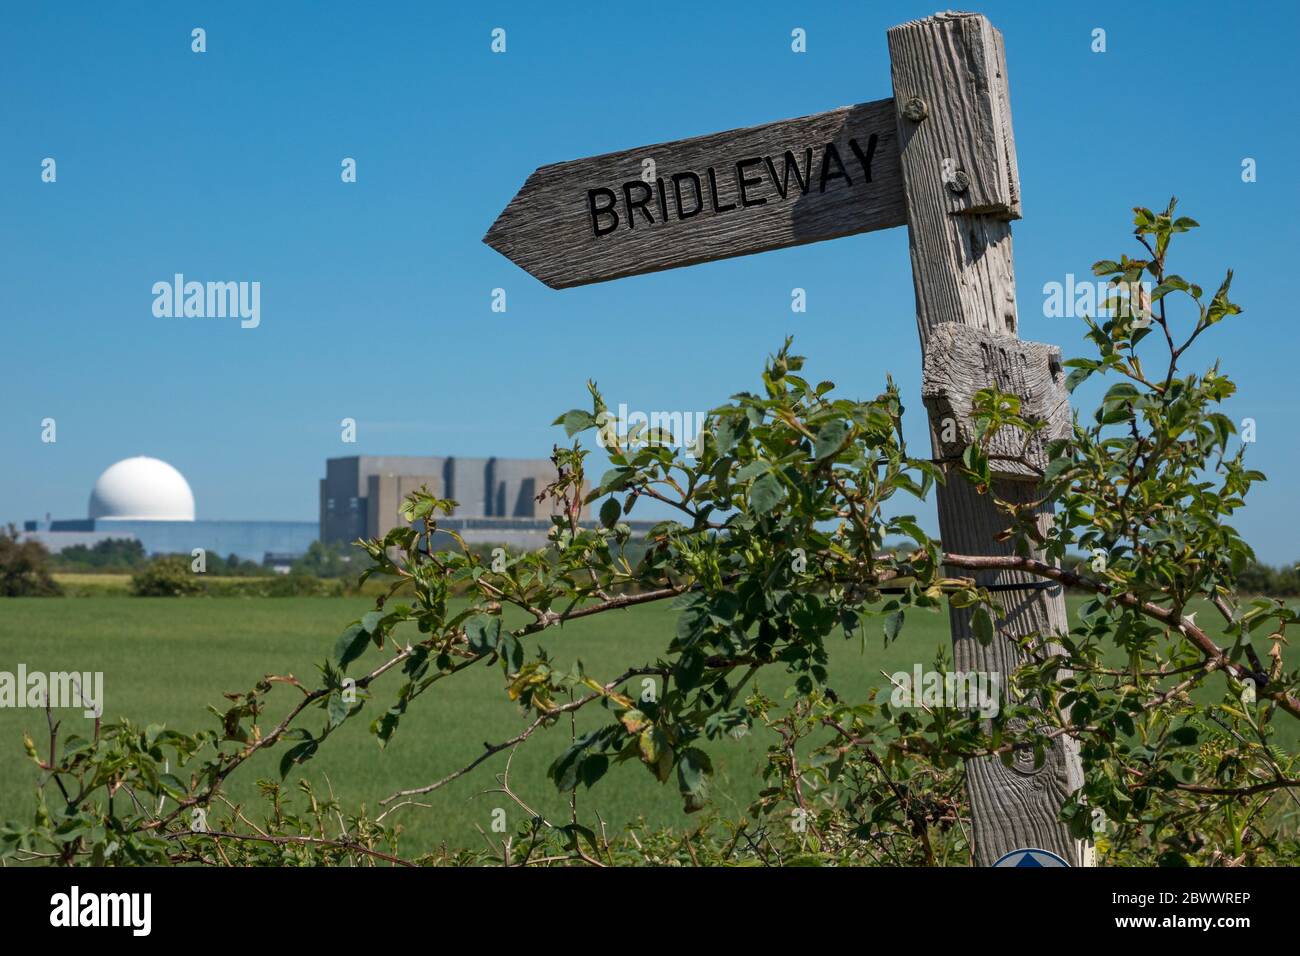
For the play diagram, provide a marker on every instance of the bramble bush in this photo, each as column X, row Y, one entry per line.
column 172, row 575
column 166, row 576
column 777, row 549
column 24, row 567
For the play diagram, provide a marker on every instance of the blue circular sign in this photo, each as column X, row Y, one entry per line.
column 1031, row 857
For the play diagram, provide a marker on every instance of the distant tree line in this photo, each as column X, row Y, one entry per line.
column 331, row 561
column 1274, row 582
column 27, row 568
column 127, row 556
column 1256, row 579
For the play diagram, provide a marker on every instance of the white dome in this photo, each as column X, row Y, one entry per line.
column 142, row 489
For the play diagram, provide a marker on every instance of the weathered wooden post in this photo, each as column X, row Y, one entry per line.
column 938, row 157
column 962, row 187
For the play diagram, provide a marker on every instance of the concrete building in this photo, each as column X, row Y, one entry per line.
column 360, row 495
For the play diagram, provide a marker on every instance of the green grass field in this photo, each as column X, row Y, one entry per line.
column 165, row 660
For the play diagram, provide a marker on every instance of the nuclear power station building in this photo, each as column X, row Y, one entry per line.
column 496, row 498
column 147, row 500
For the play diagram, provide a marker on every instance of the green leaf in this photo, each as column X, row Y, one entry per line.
column 730, row 431
column 766, row 494
column 511, row 651
column 483, row 633
column 830, row 437
column 693, row 772
column 350, row 645
column 298, row 754
column 566, row 770
column 1055, row 467
column 575, row 420
column 592, row 768
column 1076, row 378
column 610, row 512
column 338, row 709
column 691, row 623
column 615, row 479
column 656, row 752
column 1120, row 392
column 172, row 786
column 893, row 624
column 982, row 625
column 689, row 669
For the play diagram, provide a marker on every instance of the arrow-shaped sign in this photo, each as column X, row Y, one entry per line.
column 711, row 197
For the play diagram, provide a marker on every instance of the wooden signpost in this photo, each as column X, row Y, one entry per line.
column 940, row 158
column 696, row 200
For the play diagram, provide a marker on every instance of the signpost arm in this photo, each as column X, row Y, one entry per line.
column 962, row 191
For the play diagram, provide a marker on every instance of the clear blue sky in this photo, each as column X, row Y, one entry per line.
column 376, row 296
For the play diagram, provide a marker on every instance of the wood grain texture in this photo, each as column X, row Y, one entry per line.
column 549, row 228
column 959, row 254
column 960, row 243
column 1011, row 808
column 960, row 361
